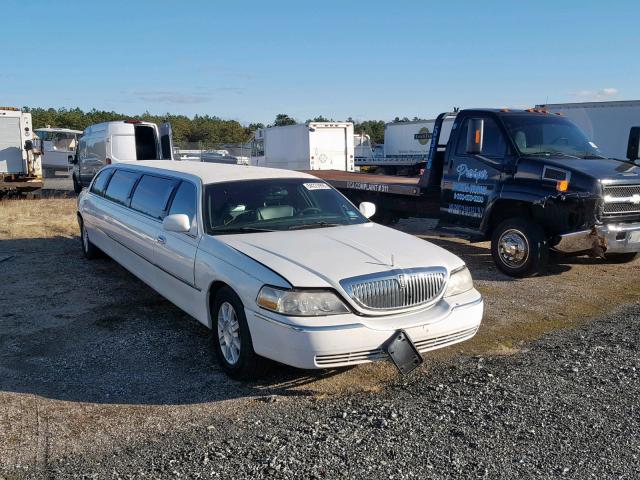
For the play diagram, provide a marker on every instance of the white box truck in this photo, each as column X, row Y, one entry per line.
column 607, row 124
column 406, row 147
column 311, row 146
column 20, row 161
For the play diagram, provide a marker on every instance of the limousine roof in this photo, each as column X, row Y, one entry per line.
column 214, row 172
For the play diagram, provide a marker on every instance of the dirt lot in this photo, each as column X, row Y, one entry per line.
column 91, row 358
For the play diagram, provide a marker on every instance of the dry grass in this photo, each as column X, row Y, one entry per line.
column 38, row 218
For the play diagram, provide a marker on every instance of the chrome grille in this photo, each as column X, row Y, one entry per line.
column 621, row 199
column 397, row 289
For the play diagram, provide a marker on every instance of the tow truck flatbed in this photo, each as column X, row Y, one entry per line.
column 371, row 183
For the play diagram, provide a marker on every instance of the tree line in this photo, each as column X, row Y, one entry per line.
column 204, row 130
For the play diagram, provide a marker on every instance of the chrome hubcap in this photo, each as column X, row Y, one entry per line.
column 229, row 333
column 513, row 248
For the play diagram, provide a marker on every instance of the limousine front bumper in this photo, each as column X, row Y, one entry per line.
column 343, row 340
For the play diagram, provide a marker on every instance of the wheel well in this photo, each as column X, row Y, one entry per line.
column 504, row 209
column 214, row 288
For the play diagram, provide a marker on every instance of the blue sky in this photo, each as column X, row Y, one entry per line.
column 369, row 60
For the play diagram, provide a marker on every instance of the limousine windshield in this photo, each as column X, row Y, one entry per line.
column 275, row 204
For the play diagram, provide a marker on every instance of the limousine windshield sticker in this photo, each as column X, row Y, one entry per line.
column 317, row 186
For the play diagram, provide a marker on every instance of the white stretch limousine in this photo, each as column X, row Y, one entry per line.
column 279, row 264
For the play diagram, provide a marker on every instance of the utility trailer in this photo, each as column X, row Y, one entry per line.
column 310, row 146
column 528, row 180
column 20, row 161
column 606, row 123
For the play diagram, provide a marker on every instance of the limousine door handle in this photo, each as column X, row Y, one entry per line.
column 161, row 239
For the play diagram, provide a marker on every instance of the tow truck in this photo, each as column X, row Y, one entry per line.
column 20, row 159
column 528, row 180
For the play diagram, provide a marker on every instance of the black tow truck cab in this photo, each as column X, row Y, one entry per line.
column 527, row 180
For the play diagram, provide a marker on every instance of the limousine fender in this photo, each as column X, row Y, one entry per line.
column 218, row 265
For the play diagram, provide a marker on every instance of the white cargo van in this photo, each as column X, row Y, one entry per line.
column 311, row 146
column 120, row 141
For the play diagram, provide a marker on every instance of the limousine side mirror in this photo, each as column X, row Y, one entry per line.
column 367, row 209
column 178, row 222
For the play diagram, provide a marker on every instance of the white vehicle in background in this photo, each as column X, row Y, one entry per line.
column 20, row 162
column 312, row 146
column 365, row 151
column 607, row 124
column 279, row 264
column 406, row 147
column 119, row 141
column 56, row 146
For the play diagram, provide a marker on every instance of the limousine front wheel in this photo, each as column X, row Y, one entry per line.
column 89, row 249
column 232, row 339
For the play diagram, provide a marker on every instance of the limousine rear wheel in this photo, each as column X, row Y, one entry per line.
column 232, row 339
column 89, row 249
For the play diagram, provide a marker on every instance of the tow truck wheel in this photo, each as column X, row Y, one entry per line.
column 519, row 247
column 620, row 257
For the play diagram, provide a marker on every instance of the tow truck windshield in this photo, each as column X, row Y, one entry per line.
column 546, row 134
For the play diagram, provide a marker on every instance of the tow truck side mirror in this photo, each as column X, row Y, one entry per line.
column 634, row 144
column 475, row 136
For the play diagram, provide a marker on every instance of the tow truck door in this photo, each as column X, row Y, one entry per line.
column 471, row 181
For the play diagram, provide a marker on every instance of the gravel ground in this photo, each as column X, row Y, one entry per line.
column 93, row 361
column 567, row 407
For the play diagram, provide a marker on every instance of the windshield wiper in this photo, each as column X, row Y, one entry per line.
column 314, row 225
column 242, row 230
column 549, row 153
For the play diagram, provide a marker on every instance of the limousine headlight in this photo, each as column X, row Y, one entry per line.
column 306, row 303
column 460, row 281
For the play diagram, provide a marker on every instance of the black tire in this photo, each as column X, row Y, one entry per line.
column 89, row 249
column 620, row 257
column 519, row 247
column 77, row 187
column 248, row 364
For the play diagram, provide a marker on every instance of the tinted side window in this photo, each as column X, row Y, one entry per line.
column 185, row 201
column 151, row 195
column 120, row 186
column 493, row 143
column 100, row 183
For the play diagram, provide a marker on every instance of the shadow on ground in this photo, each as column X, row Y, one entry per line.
column 76, row 330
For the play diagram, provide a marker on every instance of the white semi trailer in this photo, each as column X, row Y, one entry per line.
column 20, row 161
column 406, row 147
column 311, row 146
column 607, row 124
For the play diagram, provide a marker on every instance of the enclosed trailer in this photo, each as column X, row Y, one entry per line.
column 312, row 146
column 607, row 124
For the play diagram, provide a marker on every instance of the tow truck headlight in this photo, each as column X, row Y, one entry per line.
column 460, row 281
column 307, row 303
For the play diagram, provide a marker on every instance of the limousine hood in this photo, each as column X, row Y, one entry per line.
column 322, row 257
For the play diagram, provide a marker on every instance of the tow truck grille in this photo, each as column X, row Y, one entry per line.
column 621, row 199
column 397, row 289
